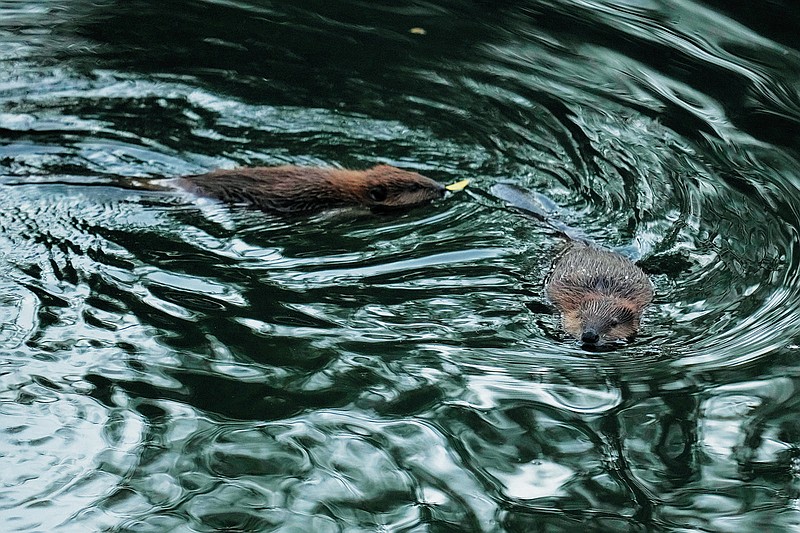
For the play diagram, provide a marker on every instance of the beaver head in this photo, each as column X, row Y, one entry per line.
column 384, row 187
column 598, row 321
column 601, row 295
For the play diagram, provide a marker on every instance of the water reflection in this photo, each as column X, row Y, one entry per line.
column 175, row 365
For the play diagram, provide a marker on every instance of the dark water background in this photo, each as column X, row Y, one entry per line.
column 174, row 365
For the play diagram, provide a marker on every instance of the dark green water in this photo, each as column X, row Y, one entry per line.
column 168, row 364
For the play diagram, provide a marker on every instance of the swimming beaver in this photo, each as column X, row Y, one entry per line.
column 295, row 189
column 600, row 294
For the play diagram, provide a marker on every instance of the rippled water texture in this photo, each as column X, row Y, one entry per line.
column 170, row 364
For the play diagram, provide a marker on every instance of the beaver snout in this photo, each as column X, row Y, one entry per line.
column 590, row 336
column 436, row 190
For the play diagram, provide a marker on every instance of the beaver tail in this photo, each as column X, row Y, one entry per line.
column 538, row 206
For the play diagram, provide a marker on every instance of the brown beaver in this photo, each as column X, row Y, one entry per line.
column 295, row 189
column 600, row 294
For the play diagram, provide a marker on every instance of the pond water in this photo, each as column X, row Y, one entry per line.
column 169, row 364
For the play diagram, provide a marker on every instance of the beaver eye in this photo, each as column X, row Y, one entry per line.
column 614, row 321
column 377, row 193
column 414, row 187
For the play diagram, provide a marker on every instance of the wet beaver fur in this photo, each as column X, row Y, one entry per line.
column 600, row 294
column 295, row 189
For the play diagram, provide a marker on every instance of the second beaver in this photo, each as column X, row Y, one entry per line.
column 296, row 189
column 601, row 295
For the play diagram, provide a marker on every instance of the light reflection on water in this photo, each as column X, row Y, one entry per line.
column 175, row 365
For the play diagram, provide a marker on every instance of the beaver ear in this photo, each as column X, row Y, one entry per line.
column 377, row 193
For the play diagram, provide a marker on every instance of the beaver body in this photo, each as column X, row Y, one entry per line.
column 600, row 294
column 296, row 189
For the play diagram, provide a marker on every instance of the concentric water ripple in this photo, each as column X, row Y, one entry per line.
column 171, row 364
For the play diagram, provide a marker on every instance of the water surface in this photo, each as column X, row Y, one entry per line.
column 170, row 364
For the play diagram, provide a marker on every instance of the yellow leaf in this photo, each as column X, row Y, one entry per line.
column 457, row 186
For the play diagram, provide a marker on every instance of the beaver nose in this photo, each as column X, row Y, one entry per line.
column 590, row 336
